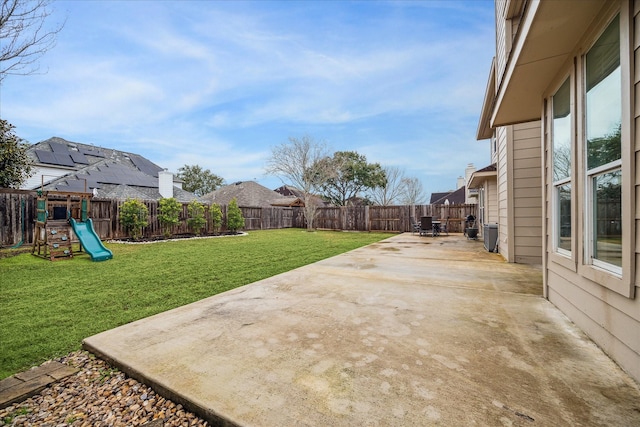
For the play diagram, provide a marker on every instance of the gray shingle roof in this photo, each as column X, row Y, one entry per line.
column 108, row 173
column 248, row 193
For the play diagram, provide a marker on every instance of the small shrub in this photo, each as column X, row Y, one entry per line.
column 216, row 217
column 133, row 216
column 235, row 220
column 169, row 214
column 196, row 220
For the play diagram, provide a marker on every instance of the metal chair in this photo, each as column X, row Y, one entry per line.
column 426, row 226
column 444, row 226
column 415, row 227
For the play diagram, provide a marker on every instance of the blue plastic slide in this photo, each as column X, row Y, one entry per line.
column 90, row 240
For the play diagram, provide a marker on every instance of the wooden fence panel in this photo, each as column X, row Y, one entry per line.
column 105, row 215
column 329, row 218
column 17, row 217
column 388, row 218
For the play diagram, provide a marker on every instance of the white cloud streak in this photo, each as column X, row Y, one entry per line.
column 202, row 82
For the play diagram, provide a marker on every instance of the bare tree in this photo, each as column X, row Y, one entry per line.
column 413, row 192
column 393, row 188
column 300, row 163
column 24, row 36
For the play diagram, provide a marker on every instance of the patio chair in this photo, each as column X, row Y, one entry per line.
column 444, row 226
column 415, row 227
column 426, row 226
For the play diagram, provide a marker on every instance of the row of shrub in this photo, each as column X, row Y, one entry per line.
column 134, row 215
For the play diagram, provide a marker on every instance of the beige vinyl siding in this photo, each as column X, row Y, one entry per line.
column 610, row 319
column 492, row 201
column 527, row 193
column 503, row 193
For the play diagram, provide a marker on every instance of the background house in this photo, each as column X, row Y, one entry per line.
column 70, row 166
column 561, row 112
column 250, row 193
column 485, row 182
column 463, row 194
column 289, row 191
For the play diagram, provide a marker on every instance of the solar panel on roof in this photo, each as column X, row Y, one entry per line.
column 58, row 147
column 94, row 153
column 79, row 158
column 71, row 185
column 145, row 166
column 45, row 156
column 63, row 159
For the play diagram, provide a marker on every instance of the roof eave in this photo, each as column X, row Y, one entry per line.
column 478, row 178
column 484, row 128
column 548, row 34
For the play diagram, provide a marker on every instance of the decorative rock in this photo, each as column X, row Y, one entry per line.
column 97, row 395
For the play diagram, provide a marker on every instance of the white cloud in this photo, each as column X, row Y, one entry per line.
column 214, row 83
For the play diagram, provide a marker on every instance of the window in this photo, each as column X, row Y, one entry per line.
column 603, row 124
column 561, row 140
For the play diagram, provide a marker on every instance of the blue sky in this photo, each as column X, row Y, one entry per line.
column 219, row 83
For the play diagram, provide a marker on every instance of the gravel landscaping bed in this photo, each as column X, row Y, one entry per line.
column 97, row 395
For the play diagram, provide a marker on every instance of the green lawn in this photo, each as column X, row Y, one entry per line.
column 47, row 308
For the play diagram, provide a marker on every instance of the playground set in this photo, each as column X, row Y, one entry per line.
column 60, row 213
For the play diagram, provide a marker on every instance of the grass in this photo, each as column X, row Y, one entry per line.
column 47, row 308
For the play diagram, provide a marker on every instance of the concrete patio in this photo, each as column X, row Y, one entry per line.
column 411, row 331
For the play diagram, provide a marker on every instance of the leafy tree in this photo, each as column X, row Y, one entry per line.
column 199, row 181
column 603, row 150
column 216, row 217
column 15, row 165
column 351, row 174
column 133, row 216
column 235, row 220
column 392, row 188
column 412, row 192
column 300, row 163
column 196, row 220
column 169, row 214
column 25, row 38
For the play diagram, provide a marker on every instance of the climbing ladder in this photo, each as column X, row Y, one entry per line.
column 53, row 240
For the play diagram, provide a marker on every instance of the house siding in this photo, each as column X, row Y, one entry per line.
column 527, row 193
column 519, row 203
column 45, row 172
column 609, row 318
column 492, row 201
column 503, row 194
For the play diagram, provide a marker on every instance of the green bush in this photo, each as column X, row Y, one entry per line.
column 196, row 220
column 235, row 220
column 216, row 217
column 169, row 214
column 133, row 216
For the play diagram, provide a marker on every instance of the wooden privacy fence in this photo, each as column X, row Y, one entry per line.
column 18, row 215
column 389, row 218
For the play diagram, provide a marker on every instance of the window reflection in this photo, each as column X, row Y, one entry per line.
column 607, row 217
column 564, row 217
column 604, row 98
column 562, row 132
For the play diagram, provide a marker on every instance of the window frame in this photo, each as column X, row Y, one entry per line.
column 588, row 275
column 620, row 280
column 555, row 184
